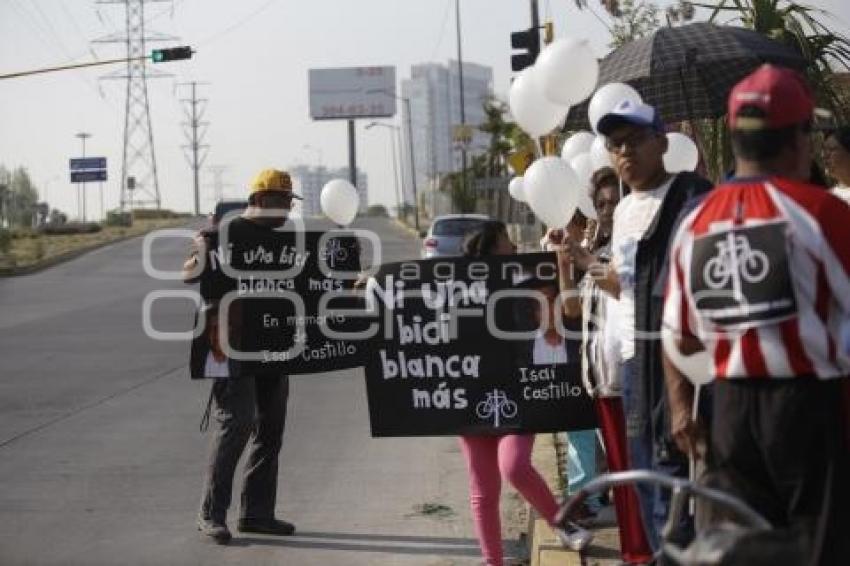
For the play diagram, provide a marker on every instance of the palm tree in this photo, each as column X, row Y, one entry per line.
column 500, row 144
column 802, row 27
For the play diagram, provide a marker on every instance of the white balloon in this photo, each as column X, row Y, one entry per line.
column 516, row 189
column 606, row 98
column 576, row 144
column 339, row 201
column 531, row 110
column 584, row 171
column 682, row 153
column 567, row 71
column 599, row 155
column 695, row 366
column 550, row 190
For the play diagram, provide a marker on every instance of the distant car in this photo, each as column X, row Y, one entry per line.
column 225, row 206
column 447, row 233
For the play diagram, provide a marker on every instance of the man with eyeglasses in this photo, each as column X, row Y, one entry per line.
column 760, row 278
column 244, row 407
column 643, row 223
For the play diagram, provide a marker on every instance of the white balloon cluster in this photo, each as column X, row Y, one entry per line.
column 565, row 74
column 339, row 201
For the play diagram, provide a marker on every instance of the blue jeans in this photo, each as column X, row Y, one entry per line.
column 584, row 442
column 639, row 441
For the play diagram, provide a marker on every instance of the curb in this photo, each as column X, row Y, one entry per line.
column 66, row 256
column 406, row 227
column 544, row 547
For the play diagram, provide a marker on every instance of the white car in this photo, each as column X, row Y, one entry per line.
column 447, row 233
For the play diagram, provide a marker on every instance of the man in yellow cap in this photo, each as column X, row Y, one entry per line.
column 271, row 190
column 245, row 407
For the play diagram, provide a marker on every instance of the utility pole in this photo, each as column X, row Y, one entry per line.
column 83, row 136
column 406, row 101
column 196, row 160
column 462, row 102
column 217, row 172
column 138, row 160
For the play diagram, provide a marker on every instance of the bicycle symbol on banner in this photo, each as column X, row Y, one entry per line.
column 335, row 252
column 735, row 260
column 497, row 406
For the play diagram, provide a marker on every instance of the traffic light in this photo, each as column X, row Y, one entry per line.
column 529, row 42
column 171, row 54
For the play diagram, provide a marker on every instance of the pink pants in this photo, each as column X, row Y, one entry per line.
column 489, row 459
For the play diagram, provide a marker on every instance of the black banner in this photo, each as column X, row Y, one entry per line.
column 269, row 285
column 448, row 357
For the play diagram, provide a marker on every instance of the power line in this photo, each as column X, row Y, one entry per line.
column 196, row 131
column 442, row 29
column 238, row 24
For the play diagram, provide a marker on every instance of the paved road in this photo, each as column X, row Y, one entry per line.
column 101, row 458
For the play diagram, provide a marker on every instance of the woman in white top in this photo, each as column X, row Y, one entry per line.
column 836, row 153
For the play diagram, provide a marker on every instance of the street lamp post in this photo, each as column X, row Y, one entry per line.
column 406, row 101
column 393, row 130
column 83, row 136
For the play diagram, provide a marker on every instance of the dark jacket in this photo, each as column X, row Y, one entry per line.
column 650, row 281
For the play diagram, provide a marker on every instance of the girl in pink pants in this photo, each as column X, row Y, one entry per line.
column 489, row 459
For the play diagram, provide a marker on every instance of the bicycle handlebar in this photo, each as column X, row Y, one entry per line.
column 679, row 487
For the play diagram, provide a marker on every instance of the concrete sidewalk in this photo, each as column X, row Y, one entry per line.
column 544, row 547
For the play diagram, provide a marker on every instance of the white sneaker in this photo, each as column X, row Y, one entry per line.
column 573, row 537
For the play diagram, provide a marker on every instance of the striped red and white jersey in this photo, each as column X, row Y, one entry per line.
column 760, row 273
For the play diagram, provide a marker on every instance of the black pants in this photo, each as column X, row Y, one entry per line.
column 245, row 408
column 779, row 446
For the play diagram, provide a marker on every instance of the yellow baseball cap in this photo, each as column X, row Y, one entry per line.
column 272, row 180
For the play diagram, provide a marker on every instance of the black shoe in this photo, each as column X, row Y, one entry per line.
column 266, row 527
column 218, row 532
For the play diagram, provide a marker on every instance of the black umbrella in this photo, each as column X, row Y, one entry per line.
column 687, row 72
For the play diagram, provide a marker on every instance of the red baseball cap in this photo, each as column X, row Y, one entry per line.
column 781, row 93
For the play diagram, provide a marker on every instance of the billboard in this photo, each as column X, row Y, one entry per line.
column 352, row 92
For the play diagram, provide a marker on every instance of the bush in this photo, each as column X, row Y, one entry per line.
column 377, row 210
column 23, row 233
column 5, row 240
column 71, row 228
column 155, row 214
column 118, row 218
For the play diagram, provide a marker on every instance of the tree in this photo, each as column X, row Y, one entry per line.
column 633, row 19
column 22, row 198
column 500, row 145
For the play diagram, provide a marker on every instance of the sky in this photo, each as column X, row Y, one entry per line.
column 255, row 55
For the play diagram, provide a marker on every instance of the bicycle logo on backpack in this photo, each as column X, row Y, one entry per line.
column 497, row 406
column 737, row 261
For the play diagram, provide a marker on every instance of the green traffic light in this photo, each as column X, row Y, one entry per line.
column 171, row 54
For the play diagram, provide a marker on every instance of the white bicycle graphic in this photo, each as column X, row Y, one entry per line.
column 734, row 254
column 335, row 253
column 496, row 406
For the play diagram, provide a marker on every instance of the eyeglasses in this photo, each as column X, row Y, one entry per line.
column 631, row 140
column 276, row 196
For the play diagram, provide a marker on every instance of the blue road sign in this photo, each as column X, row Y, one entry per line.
column 83, row 163
column 88, row 176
